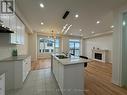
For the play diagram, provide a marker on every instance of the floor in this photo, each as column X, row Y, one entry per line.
column 39, row 82
column 98, row 81
column 41, row 64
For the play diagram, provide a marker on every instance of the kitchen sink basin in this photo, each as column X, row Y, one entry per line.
column 61, row 56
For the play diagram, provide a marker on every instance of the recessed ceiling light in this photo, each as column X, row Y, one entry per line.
column 42, row 23
column 76, row 16
column 92, row 32
column 124, row 23
column 80, row 30
column 42, row 30
column 42, row 5
column 112, row 26
column 98, row 22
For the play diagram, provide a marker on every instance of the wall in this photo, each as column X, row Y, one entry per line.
column 33, row 46
column 6, row 48
column 117, row 45
column 65, row 43
column 101, row 42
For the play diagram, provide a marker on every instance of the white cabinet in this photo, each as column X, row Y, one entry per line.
column 16, row 25
column 17, row 69
column 13, row 37
column 26, row 67
column 69, row 77
column 2, row 84
column 5, row 19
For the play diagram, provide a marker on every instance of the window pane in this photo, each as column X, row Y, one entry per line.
column 77, row 45
column 47, row 45
column 74, row 46
column 57, row 43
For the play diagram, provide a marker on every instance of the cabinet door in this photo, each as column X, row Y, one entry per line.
column 5, row 19
column 61, row 76
column 22, row 33
column 24, row 71
column 13, row 27
column 18, row 30
column 2, row 84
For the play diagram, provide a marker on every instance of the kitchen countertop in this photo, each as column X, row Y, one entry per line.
column 15, row 58
column 72, row 60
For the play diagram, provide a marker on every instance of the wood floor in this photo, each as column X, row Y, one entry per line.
column 41, row 64
column 97, row 79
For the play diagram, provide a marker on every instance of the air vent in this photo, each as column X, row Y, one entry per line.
column 66, row 14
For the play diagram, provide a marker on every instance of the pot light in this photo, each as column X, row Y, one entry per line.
column 124, row 23
column 42, row 5
column 112, row 26
column 76, row 16
column 92, row 32
column 98, row 22
column 80, row 30
column 42, row 23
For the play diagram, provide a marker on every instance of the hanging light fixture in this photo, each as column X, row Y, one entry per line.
column 53, row 34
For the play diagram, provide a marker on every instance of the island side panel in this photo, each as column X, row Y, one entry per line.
column 74, row 79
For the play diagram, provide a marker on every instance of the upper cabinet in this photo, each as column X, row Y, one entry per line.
column 16, row 25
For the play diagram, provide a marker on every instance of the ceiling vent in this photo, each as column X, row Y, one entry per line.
column 66, row 14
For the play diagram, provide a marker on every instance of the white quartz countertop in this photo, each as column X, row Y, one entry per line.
column 15, row 58
column 71, row 61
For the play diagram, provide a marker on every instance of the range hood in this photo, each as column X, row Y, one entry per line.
column 4, row 29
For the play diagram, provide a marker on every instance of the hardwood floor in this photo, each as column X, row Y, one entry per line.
column 41, row 64
column 97, row 80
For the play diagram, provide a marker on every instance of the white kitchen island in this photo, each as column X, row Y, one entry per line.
column 69, row 74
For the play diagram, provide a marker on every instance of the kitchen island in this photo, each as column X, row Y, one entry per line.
column 69, row 74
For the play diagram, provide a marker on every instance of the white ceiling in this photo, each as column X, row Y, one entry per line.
column 89, row 12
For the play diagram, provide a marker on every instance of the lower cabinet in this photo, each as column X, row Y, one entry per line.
column 16, row 72
column 2, row 84
column 26, row 67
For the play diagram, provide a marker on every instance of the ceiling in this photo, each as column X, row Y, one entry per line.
column 89, row 11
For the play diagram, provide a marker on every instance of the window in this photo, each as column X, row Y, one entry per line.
column 48, row 45
column 74, row 46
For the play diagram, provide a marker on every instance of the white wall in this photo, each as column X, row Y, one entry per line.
column 101, row 42
column 117, row 45
column 6, row 48
column 33, row 46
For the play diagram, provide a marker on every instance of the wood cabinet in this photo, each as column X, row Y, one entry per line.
column 15, row 24
column 2, row 84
